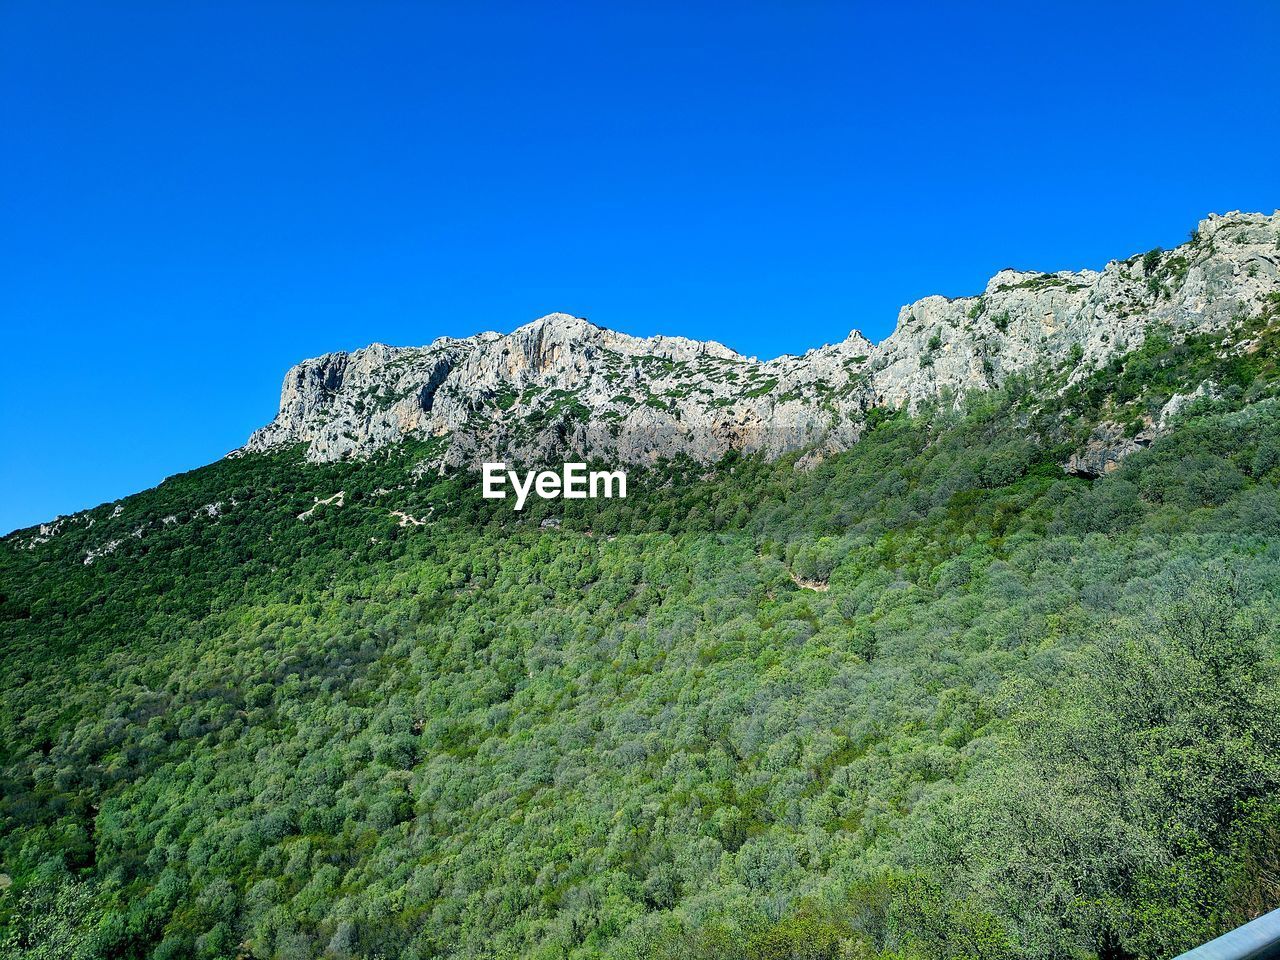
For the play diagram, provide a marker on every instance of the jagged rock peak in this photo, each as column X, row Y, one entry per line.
column 558, row 324
column 562, row 383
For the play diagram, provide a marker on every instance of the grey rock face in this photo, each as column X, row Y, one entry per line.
column 1179, row 402
column 563, row 385
column 1109, row 443
column 1107, row 446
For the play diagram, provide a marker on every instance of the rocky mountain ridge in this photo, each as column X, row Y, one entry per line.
column 564, row 385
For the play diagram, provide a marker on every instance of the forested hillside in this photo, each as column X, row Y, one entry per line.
column 931, row 697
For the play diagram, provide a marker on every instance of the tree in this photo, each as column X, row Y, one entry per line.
column 1109, row 820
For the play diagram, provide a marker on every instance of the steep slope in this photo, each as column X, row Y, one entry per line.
column 931, row 697
column 563, row 383
column 1026, row 715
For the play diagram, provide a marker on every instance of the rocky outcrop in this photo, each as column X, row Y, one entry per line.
column 1106, row 447
column 1110, row 443
column 563, row 385
column 1179, row 403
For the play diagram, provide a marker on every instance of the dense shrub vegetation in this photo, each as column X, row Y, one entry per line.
column 1029, row 715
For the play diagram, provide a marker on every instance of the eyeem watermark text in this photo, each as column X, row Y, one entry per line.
column 573, row 482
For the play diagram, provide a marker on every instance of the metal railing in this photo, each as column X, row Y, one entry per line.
column 1256, row 940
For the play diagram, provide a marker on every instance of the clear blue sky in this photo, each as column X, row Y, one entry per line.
column 197, row 195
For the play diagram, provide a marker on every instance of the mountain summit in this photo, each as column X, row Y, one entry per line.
column 562, row 383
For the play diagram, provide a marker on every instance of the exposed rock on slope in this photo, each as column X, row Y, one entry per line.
column 1110, row 443
column 1107, row 446
column 564, row 384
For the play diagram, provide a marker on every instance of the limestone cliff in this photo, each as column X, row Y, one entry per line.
column 562, row 384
